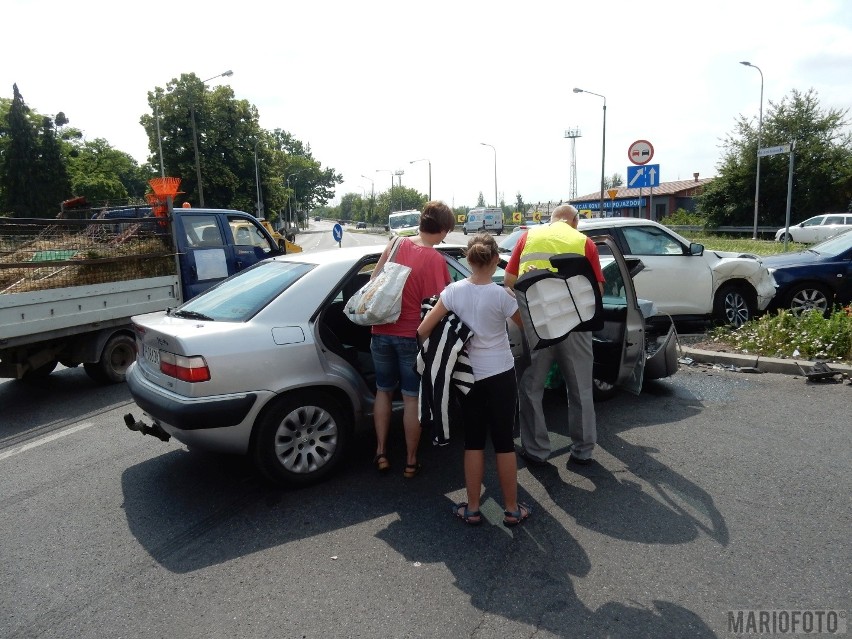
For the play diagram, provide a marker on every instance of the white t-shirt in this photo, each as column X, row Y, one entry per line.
column 485, row 309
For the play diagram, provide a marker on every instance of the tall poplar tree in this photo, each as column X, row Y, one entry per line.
column 19, row 161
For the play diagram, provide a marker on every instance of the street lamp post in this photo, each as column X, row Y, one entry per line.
column 290, row 199
column 759, row 134
column 399, row 173
column 257, row 181
column 372, row 194
column 496, row 204
column 159, row 139
column 430, row 173
column 603, row 146
column 195, row 138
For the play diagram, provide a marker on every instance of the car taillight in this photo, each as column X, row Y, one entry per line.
column 187, row 369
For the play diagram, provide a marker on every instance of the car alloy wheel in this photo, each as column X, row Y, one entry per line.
column 732, row 306
column 809, row 298
column 300, row 438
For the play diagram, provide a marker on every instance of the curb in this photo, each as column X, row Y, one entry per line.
column 758, row 363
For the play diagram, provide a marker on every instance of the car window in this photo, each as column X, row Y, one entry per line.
column 834, row 219
column 814, row 221
column 247, row 233
column 202, row 230
column 241, row 296
column 649, row 240
column 614, row 293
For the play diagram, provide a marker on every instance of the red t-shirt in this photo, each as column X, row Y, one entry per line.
column 429, row 276
column 591, row 255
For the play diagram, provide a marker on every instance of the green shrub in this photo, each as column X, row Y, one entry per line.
column 807, row 336
column 682, row 217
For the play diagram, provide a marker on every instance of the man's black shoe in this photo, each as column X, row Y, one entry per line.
column 579, row 461
column 532, row 461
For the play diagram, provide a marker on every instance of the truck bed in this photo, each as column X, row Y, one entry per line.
column 39, row 315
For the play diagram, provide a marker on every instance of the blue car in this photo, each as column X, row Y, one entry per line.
column 818, row 278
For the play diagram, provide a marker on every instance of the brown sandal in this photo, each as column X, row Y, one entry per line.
column 382, row 463
column 411, row 470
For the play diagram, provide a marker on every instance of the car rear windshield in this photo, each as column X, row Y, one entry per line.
column 241, row 296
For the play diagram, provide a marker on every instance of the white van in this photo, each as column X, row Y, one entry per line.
column 483, row 219
column 405, row 223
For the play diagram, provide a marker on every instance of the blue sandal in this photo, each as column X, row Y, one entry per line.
column 511, row 519
column 470, row 517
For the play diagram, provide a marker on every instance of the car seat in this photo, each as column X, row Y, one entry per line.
column 210, row 237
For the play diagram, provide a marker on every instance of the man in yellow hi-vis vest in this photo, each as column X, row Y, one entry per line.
column 573, row 354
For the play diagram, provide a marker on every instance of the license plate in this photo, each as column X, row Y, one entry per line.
column 151, row 354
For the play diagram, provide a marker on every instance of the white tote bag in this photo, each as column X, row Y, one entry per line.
column 379, row 301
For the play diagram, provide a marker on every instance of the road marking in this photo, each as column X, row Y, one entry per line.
column 44, row 440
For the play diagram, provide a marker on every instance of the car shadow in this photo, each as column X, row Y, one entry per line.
column 26, row 414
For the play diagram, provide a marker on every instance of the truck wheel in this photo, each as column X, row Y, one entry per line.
column 301, row 438
column 119, row 352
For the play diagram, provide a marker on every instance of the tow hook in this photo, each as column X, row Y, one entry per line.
column 155, row 430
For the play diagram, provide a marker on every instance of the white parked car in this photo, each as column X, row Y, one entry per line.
column 817, row 229
column 682, row 278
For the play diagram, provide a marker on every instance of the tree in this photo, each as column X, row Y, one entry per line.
column 822, row 179
column 613, row 181
column 102, row 173
column 519, row 203
column 480, row 201
column 18, row 162
column 228, row 134
column 52, row 168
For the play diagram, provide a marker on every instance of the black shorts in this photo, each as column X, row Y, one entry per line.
column 490, row 407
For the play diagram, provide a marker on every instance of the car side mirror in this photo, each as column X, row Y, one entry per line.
column 696, row 249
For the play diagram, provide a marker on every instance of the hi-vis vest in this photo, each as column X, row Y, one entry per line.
column 546, row 241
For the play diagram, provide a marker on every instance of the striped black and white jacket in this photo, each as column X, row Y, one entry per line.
column 442, row 361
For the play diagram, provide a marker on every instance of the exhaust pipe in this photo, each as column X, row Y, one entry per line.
column 155, row 430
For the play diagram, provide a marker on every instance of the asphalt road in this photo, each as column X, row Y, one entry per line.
column 713, row 491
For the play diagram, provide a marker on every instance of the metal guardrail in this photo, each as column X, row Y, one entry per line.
column 761, row 230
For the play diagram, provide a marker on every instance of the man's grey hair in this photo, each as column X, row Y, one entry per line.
column 564, row 212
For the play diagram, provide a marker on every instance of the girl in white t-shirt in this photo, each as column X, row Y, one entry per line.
column 490, row 405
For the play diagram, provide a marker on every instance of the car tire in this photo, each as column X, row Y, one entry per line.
column 117, row 356
column 602, row 391
column 786, row 236
column 809, row 297
column 300, row 438
column 733, row 306
column 464, row 230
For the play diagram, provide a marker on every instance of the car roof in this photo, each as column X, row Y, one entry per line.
column 615, row 221
column 334, row 255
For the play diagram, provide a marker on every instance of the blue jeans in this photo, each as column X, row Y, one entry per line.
column 393, row 359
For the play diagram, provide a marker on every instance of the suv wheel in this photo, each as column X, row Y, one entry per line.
column 733, row 306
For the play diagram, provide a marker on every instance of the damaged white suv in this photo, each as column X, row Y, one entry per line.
column 682, row 278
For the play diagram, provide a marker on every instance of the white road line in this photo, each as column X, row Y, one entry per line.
column 44, row 440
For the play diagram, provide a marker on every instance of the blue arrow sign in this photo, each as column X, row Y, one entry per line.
column 337, row 232
column 643, row 177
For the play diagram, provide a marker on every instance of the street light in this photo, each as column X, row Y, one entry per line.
column 399, row 173
column 257, row 181
column 159, row 138
column 430, row 173
column 603, row 145
column 195, row 138
column 290, row 199
column 495, row 172
column 759, row 133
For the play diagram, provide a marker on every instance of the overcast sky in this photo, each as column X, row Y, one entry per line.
column 373, row 85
